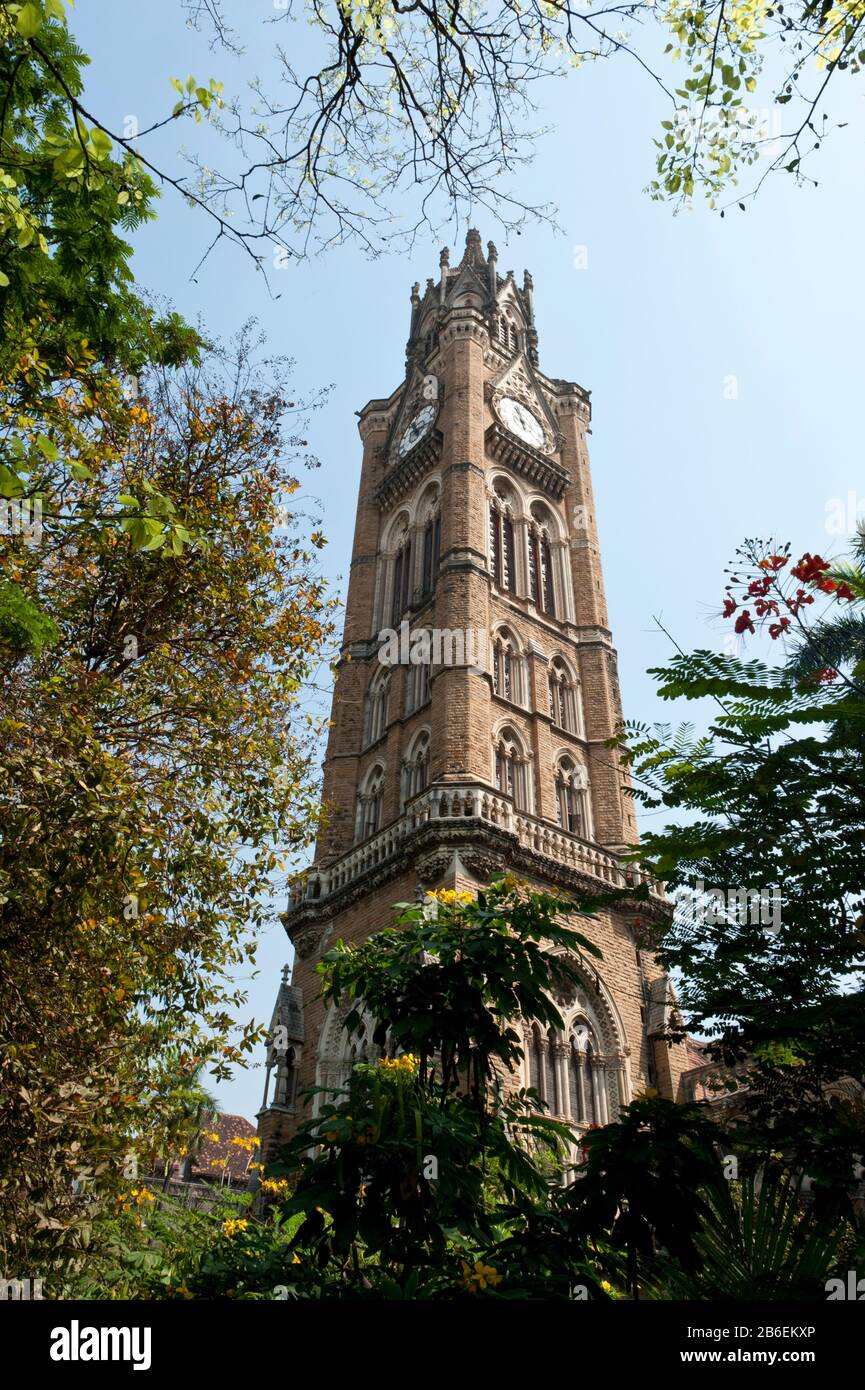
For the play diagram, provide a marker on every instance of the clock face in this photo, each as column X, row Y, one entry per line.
column 418, row 427
column 521, row 422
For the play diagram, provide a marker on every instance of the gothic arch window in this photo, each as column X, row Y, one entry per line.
column 580, row 1073
column 339, row 1050
column 542, row 588
column 541, row 1072
column 572, row 797
column 503, row 556
column 511, row 768
column 565, row 701
column 376, row 708
column 415, row 768
column 583, row 1050
column 508, row 334
column 285, row 1089
column 401, row 577
column 430, row 542
column 418, row 674
column 369, row 804
column 508, row 667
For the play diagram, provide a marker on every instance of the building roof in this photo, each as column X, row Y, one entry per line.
column 226, row 1150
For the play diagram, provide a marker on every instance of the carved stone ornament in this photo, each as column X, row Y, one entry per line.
column 432, row 867
column 308, row 940
column 480, row 865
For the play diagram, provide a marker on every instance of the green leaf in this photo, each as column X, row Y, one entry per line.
column 101, row 141
column 28, row 21
column 80, row 471
column 47, row 448
column 10, row 483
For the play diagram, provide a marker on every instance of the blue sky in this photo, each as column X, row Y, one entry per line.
column 666, row 311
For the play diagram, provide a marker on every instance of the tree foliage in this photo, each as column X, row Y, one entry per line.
column 157, row 768
column 775, row 816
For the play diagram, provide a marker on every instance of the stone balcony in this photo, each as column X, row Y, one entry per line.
column 452, row 806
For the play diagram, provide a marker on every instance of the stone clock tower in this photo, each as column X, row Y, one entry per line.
column 476, row 690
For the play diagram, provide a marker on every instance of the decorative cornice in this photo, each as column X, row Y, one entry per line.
column 410, row 470
column 541, row 470
column 475, row 840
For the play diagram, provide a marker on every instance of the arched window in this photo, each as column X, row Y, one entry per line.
column 285, row 1089
column 582, row 1081
column 565, row 704
column 572, row 798
column 580, row 1073
column 375, row 713
column 508, row 334
column 402, row 584
column 511, row 769
column 415, row 768
column 418, row 673
column 541, row 1069
column 508, row 668
column 541, row 585
column 369, row 804
column 431, row 548
column 503, row 566
column 339, row 1050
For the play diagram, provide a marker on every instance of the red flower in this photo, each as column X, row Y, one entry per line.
column 827, row 673
column 809, row 568
column 730, row 606
column 845, row 592
column 794, row 604
column 759, row 588
column 774, row 562
column 775, row 629
column 743, row 622
column 764, row 606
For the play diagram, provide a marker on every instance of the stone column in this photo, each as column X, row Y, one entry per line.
column 599, row 1090
column 543, row 1049
column 622, row 1079
column 581, row 1083
column 561, row 1054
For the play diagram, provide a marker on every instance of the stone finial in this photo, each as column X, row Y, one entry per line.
column 286, row 972
column 474, row 252
column 415, row 293
column 445, row 258
column 491, row 266
column 528, row 287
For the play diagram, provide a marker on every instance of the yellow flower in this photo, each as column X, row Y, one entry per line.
column 480, row 1277
column 275, row 1185
column 406, row 1063
column 233, row 1225
column 606, row 1286
column 450, row 895
column 511, row 883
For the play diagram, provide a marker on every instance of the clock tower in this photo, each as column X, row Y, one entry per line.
column 476, row 691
